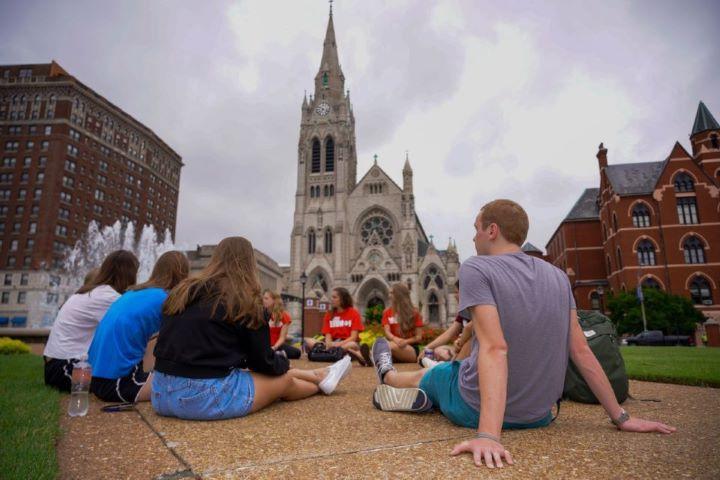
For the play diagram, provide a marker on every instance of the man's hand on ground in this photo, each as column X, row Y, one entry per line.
column 639, row 425
column 483, row 448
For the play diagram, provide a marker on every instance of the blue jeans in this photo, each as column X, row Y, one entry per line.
column 203, row 398
column 441, row 386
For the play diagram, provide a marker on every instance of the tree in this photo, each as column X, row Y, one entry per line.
column 673, row 314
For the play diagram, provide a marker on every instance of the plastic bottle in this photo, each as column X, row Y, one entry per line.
column 80, row 390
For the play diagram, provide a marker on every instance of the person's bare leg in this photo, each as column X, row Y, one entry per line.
column 310, row 343
column 404, row 354
column 149, row 357
column 145, row 391
column 354, row 350
column 286, row 387
column 404, row 379
column 313, row 376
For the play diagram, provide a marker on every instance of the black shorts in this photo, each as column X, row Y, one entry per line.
column 416, row 347
column 58, row 373
column 124, row 389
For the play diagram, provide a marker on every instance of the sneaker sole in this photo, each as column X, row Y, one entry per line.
column 391, row 399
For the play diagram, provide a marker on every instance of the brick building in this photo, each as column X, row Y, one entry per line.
column 69, row 156
column 651, row 222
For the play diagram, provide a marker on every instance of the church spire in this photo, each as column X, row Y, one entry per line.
column 329, row 76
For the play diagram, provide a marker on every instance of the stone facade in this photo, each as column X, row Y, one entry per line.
column 271, row 276
column 363, row 235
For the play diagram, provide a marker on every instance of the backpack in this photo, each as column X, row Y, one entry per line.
column 603, row 341
column 320, row 353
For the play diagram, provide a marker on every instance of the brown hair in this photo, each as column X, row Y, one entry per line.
column 346, row 300
column 89, row 276
column 403, row 308
column 278, row 308
column 119, row 270
column 510, row 218
column 169, row 270
column 230, row 279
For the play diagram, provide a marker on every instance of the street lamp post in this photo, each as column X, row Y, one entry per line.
column 303, row 281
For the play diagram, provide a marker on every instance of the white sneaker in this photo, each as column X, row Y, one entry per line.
column 336, row 372
column 429, row 363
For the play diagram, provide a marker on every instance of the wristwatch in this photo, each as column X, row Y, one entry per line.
column 624, row 417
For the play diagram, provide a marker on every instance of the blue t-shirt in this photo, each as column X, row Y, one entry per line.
column 122, row 336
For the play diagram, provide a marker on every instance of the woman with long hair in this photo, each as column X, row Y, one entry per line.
column 121, row 351
column 213, row 328
column 75, row 324
column 279, row 323
column 403, row 325
column 341, row 326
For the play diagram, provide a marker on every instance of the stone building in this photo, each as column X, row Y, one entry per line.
column 654, row 223
column 363, row 235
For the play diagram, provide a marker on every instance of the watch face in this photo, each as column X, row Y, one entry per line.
column 323, row 109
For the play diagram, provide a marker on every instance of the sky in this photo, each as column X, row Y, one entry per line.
column 491, row 99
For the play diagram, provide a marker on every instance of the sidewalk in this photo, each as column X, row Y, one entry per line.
column 343, row 436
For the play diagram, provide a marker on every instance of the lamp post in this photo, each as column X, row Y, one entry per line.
column 303, row 281
column 601, row 291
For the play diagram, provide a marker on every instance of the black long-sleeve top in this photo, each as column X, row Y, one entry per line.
column 196, row 344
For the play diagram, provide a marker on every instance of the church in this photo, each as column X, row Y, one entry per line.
column 362, row 235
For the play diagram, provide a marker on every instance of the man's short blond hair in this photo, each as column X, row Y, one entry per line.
column 510, row 218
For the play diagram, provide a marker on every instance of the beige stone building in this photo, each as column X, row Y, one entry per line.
column 363, row 235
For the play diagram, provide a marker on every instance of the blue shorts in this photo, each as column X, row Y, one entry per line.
column 441, row 385
column 203, row 398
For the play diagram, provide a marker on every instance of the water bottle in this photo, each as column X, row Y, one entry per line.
column 80, row 390
column 429, row 354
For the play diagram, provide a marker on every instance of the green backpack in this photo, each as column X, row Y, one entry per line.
column 602, row 339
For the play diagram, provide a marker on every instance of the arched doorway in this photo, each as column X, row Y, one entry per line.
column 373, row 293
column 433, row 309
column 376, row 302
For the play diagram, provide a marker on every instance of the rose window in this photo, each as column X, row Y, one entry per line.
column 376, row 231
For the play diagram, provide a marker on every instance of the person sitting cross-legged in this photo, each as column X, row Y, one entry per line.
column 279, row 324
column 526, row 328
column 402, row 324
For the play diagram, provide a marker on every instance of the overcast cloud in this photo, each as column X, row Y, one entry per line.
column 492, row 99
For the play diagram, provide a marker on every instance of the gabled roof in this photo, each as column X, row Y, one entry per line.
column 586, row 208
column 529, row 247
column 383, row 172
column 634, row 178
column 704, row 120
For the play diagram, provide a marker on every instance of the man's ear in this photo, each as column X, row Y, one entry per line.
column 494, row 231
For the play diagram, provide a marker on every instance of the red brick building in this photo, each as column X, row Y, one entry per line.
column 69, row 156
column 657, row 223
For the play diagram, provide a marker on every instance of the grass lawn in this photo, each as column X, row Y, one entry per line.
column 683, row 365
column 28, row 419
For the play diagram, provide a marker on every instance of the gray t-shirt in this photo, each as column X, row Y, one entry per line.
column 533, row 299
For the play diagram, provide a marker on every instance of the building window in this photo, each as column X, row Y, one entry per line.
column 646, row 253
column 27, row 261
column 694, row 249
column 32, row 227
column 687, row 210
column 311, row 242
column 326, row 191
column 433, row 276
column 329, row 155
column 24, row 279
column 5, row 298
column 650, row 282
column 433, row 309
column 315, row 162
column 332, row 190
column 700, row 291
column 714, row 143
column 684, row 183
column 641, row 215
column 8, row 279
column 615, row 224
column 14, row 245
column 11, row 261
column 376, row 230
column 619, row 259
column 61, row 230
column 21, row 297
column 595, row 300
column 48, row 129
column 328, row 241
column 29, row 244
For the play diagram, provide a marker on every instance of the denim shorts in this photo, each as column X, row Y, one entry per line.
column 441, row 385
column 203, row 398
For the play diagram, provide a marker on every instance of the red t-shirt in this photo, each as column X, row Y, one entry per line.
column 275, row 329
column 341, row 324
column 389, row 319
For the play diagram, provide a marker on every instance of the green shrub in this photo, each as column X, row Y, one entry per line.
column 9, row 346
column 373, row 315
column 372, row 332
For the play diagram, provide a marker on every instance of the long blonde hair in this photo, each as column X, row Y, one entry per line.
column 403, row 308
column 230, row 279
column 278, row 308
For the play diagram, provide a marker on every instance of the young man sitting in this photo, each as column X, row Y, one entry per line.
column 525, row 325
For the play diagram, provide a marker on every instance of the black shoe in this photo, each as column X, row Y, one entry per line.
column 365, row 352
column 382, row 358
column 391, row 399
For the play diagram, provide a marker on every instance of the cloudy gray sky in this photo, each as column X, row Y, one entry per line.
column 492, row 99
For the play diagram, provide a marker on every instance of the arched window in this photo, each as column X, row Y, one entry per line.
column 433, row 276
column 329, row 155
column 595, row 301
column 325, row 79
column 650, row 282
column 328, row 241
column 326, row 191
column 700, row 291
column 332, row 190
column 433, row 309
column 684, row 183
column 619, row 259
column 312, row 192
column 687, row 210
column 646, row 253
column 318, row 282
column 376, row 230
column 315, row 164
column 694, row 249
column 615, row 226
column 714, row 143
column 311, row 241
column 641, row 215
column 609, row 266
